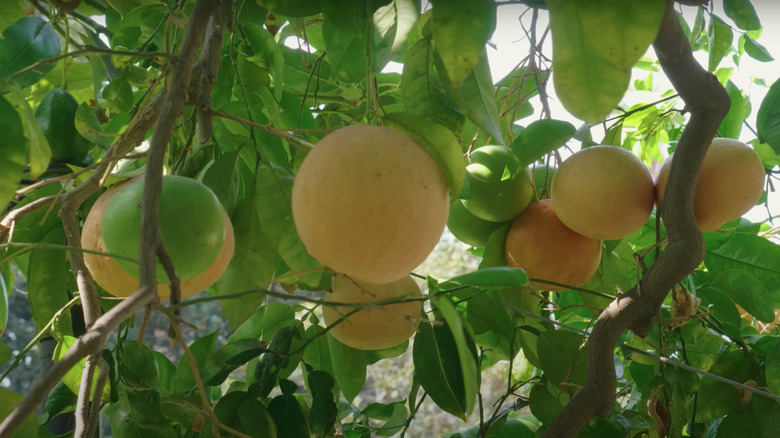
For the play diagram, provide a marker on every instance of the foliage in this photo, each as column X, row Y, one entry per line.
column 290, row 71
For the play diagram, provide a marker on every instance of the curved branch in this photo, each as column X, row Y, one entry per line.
column 638, row 309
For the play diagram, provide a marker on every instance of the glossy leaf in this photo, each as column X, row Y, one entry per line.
column 139, row 366
column 60, row 399
column 757, row 51
column 437, row 141
column 29, row 40
column 423, row 93
column 731, row 126
column 751, row 254
column 13, row 150
column 476, row 97
column 46, row 284
column 346, row 52
column 88, row 125
column 561, row 357
column 720, row 37
column 223, row 177
column 721, row 397
column 228, row 358
column 761, row 418
column 201, row 349
column 8, row 401
column 72, row 378
column 288, row 416
column 460, row 30
column 265, row 322
column 266, row 54
column 595, row 45
column 466, row 352
column 291, row 8
column 768, row 118
column 322, row 415
column 253, row 264
column 748, row 292
column 772, row 369
column 743, row 13
column 40, row 152
column 349, row 367
column 274, row 190
column 498, row 277
column 118, row 95
column 540, row 138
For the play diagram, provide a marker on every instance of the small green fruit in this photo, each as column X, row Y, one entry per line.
column 191, row 222
column 56, row 116
column 494, row 198
column 469, row 228
column 543, row 175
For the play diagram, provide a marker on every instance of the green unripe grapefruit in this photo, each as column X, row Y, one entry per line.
column 191, row 222
column 543, row 175
column 492, row 198
column 469, row 228
column 56, row 116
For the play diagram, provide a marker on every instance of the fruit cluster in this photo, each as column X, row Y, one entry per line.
column 599, row 193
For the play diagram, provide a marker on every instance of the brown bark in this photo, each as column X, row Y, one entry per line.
column 638, row 309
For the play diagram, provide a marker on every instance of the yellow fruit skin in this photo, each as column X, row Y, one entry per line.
column 373, row 327
column 603, row 192
column 120, row 283
column 548, row 250
column 370, row 202
column 730, row 183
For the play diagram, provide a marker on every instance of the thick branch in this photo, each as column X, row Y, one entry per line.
column 638, row 309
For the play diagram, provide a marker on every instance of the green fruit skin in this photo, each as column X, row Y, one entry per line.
column 56, row 116
column 469, row 228
column 491, row 198
column 191, row 222
column 543, row 175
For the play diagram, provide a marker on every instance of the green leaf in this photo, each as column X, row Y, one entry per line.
column 274, row 189
column 747, row 291
column 201, row 349
column 720, row 37
column 433, row 347
column 265, row 322
column 10, row 400
column 138, row 366
column 761, row 418
column 437, row 141
column 731, row 126
column 228, row 358
column 756, row 50
column 88, row 125
column 466, row 352
column 768, row 118
column 722, row 398
column 422, row 92
column 561, row 357
column 40, row 152
column 743, row 13
column 497, row 278
column 223, row 177
column 29, row 40
column 349, row 367
column 494, row 254
column 772, row 369
column 5, row 353
column 476, row 97
column 13, row 151
column 118, row 95
column 346, row 52
column 60, row 399
column 460, row 30
column 595, row 45
column 748, row 253
column 73, row 377
column 288, row 416
column 266, row 54
column 540, row 138
column 323, row 412
column 137, row 414
column 393, row 416
column 317, row 353
column 47, row 291
column 253, row 264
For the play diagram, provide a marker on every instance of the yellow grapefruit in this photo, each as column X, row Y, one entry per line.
column 373, row 327
column 370, row 202
column 603, row 192
column 730, row 183
column 548, row 250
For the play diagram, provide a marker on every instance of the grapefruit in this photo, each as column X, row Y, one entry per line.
column 603, row 192
column 546, row 249
column 467, row 227
column 191, row 219
column 120, row 283
column 730, row 183
column 543, row 175
column 494, row 198
column 373, row 327
column 370, row 202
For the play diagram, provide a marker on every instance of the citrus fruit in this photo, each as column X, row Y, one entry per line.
column 191, row 220
column 546, row 249
column 603, row 192
column 370, row 202
column 730, row 183
column 542, row 176
column 56, row 116
column 467, row 227
column 372, row 327
column 493, row 197
column 120, row 283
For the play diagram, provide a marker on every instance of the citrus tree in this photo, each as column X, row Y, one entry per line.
column 268, row 152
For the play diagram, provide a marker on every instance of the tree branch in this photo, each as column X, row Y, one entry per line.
column 638, row 309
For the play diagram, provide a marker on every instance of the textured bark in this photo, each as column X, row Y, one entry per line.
column 638, row 309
